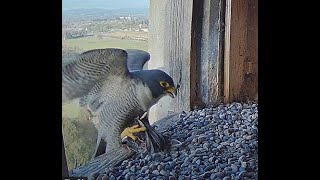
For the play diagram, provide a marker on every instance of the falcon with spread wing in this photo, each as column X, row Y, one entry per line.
column 113, row 86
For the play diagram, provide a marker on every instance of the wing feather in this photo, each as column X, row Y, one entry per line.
column 90, row 68
column 136, row 59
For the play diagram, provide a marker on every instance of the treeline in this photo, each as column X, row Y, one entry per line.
column 81, row 29
column 73, row 33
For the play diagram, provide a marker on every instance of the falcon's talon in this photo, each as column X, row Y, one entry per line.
column 130, row 130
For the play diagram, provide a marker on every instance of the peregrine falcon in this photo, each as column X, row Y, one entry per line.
column 113, row 86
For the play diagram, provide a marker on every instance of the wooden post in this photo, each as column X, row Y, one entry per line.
column 241, row 51
column 178, row 50
column 170, row 46
column 207, row 52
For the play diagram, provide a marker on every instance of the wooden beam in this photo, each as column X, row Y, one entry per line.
column 169, row 46
column 251, row 75
column 227, row 51
column 240, row 65
column 212, row 52
column 178, row 47
column 196, row 42
column 207, row 52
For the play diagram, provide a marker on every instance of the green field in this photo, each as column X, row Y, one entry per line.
column 88, row 43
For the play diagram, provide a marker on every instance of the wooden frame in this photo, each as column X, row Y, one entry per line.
column 207, row 52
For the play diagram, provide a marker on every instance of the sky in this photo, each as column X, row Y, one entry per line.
column 106, row 4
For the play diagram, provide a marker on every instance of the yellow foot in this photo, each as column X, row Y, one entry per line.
column 130, row 130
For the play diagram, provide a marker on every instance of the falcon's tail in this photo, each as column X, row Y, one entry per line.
column 95, row 168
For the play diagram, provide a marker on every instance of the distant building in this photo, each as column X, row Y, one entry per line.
column 145, row 30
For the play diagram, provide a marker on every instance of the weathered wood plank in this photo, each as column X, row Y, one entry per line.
column 251, row 74
column 227, row 40
column 196, row 42
column 238, row 48
column 207, row 52
column 241, row 58
column 212, row 52
column 177, row 53
column 169, row 47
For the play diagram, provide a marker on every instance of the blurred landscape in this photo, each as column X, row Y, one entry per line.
column 91, row 28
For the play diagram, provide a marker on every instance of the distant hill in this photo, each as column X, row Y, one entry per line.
column 105, row 4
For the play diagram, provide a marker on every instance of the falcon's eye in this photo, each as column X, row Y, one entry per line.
column 164, row 84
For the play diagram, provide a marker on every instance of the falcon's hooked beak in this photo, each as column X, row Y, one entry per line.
column 171, row 91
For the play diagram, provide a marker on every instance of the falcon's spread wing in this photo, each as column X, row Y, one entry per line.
column 90, row 68
column 136, row 59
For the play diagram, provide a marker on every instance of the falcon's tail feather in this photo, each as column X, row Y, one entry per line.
column 97, row 166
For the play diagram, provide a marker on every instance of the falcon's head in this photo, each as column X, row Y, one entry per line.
column 159, row 82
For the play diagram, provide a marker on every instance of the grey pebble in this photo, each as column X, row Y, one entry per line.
column 164, row 173
column 227, row 178
column 160, row 167
column 244, row 164
column 133, row 169
column 127, row 176
column 215, row 144
column 222, row 116
column 201, row 139
column 168, row 158
column 242, row 173
column 206, row 146
column 206, row 174
column 156, row 172
column 209, row 168
column 144, row 168
column 234, row 168
column 213, row 176
column 219, row 174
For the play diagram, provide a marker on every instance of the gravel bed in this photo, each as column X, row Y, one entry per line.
column 216, row 143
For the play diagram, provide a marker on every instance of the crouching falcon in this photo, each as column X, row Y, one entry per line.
column 115, row 89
